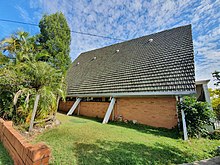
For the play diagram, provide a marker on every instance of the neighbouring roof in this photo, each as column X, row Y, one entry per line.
column 200, row 82
column 164, row 65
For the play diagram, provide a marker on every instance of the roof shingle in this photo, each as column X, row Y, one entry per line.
column 164, row 65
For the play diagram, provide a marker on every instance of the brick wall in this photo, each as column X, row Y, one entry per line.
column 22, row 152
column 93, row 109
column 90, row 109
column 152, row 111
column 65, row 106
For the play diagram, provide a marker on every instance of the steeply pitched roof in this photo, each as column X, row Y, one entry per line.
column 164, row 65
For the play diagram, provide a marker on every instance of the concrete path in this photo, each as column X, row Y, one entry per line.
column 212, row 161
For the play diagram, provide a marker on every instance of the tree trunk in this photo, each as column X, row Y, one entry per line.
column 54, row 116
column 34, row 112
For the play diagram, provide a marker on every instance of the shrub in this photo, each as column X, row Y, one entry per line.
column 197, row 115
column 6, row 108
column 215, row 97
column 215, row 135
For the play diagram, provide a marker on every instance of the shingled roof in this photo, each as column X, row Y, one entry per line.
column 162, row 66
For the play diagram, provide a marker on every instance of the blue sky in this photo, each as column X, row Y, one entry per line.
column 125, row 19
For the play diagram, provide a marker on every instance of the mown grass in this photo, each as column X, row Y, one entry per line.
column 4, row 157
column 84, row 141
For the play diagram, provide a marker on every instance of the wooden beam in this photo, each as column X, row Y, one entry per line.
column 109, row 111
column 72, row 109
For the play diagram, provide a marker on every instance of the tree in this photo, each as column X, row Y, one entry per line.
column 20, row 47
column 55, row 38
column 216, row 75
column 48, row 85
column 3, row 60
column 32, row 85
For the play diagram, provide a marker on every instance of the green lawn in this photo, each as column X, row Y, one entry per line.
column 85, row 141
column 4, row 157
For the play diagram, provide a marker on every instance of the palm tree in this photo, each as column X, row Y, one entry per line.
column 47, row 81
column 31, row 76
column 14, row 45
column 3, row 60
column 20, row 47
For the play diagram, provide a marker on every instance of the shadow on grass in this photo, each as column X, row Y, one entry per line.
column 171, row 133
column 4, row 157
column 115, row 153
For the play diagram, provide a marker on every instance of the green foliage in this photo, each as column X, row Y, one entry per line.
column 215, row 97
column 118, row 143
column 21, row 47
column 215, row 135
column 6, row 108
column 24, row 76
column 3, row 60
column 216, row 75
column 198, row 115
column 55, row 38
column 34, row 65
column 37, row 77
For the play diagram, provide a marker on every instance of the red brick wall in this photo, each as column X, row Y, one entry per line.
column 93, row 109
column 90, row 109
column 22, row 152
column 65, row 106
column 153, row 111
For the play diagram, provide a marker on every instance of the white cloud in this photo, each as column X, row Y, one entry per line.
column 129, row 19
column 23, row 13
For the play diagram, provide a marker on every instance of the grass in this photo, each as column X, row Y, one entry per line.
column 84, row 141
column 4, row 157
